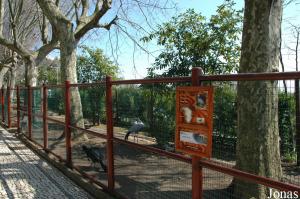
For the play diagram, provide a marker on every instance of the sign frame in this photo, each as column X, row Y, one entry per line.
column 194, row 120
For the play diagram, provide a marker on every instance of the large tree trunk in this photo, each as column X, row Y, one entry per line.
column 30, row 73
column 2, row 74
column 258, row 136
column 12, row 81
column 68, row 72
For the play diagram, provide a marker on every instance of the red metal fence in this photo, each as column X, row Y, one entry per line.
column 29, row 110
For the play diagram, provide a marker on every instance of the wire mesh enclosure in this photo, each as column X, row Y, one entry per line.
column 120, row 134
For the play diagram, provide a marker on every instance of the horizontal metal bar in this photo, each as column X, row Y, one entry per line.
column 247, row 176
column 55, row 120
column 46, row 150
column 97, row 182
column 252, row 76
column 155, row 150
column 228, row 77
column 217, row 167
column 94, row 133
column 54, row 86
column 36, row 87
column 91, row 178
column 84, row 85
column 36, row 115
column 152, row 81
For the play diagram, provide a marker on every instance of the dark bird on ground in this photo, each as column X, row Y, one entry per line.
column 94, row 154
column 137, row 126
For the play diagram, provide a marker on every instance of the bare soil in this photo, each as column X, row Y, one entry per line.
column 141, row 174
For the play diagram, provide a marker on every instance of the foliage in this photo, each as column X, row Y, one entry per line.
column 49, row 71
column 163, row 125
column 55, row 104
column 156, row 108
column 93, row 104
column 189, row 40
column 286, row 114
column 290, row 157
column 129, row 104
column 93, row 66
column 225, row 115
column 47, row 75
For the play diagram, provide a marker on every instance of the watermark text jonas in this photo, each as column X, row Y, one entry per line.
column 283, row 194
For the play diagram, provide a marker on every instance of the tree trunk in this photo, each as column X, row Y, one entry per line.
column 68, row 72
column 12, row 82
column 2, row 74
column 258, row 135
column 11, row 79
column 30, row 73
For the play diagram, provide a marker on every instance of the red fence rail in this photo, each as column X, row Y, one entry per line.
column 197, row 163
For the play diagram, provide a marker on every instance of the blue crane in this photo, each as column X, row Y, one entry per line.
column 136, row 127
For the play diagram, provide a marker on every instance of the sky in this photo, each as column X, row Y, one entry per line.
column 142, row 61
column 133, row 62
column 290, row 16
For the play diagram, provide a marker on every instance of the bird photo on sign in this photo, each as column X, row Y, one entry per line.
column 194, row 109
column 201, row 100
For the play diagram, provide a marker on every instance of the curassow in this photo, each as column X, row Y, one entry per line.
column 94, row 154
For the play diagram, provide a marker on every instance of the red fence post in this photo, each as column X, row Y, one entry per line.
column 45, row 110
column 29, row 111
column 68, row 123
column 2, row 104
column 8, row 107
column 197, row 173
column 18, row 109
column 109, row 126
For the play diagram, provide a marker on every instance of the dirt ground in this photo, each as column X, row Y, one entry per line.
column 139, row 174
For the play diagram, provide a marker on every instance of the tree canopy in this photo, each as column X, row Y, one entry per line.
column 93, row 65
column 190, row 40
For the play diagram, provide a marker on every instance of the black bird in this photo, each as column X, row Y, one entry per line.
column 94, row 154
column 137, row 126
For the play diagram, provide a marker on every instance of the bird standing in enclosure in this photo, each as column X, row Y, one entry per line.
column 137, row 126
column 94, row 154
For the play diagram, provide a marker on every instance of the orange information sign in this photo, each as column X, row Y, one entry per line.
column 194, row 110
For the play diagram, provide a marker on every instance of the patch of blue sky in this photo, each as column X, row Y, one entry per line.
column 133, row 61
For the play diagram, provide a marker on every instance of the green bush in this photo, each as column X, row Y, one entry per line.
column 225, row 113
column 286, row 116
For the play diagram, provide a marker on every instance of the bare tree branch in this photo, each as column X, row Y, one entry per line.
column 16, row 46
column 88, row 23
column 52, row 11
column 108, row 25
column 85, row 8
column 45, row 50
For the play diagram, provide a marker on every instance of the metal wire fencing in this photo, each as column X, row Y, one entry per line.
column 146, row 164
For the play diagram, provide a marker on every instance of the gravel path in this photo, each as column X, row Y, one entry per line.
column 24, row 175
